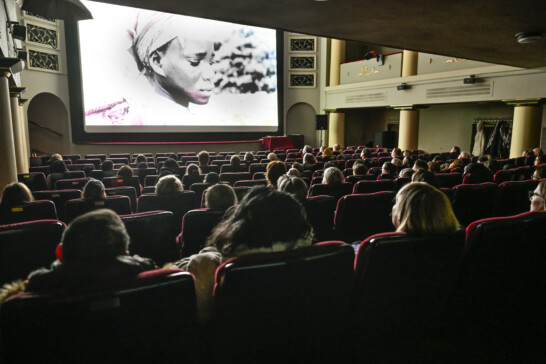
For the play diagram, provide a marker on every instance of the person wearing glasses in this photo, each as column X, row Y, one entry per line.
column 537, row 197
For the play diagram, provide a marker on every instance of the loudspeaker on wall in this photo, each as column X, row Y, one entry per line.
column 321, row 122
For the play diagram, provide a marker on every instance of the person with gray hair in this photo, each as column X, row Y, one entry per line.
column 168, row 185
column 332, row 176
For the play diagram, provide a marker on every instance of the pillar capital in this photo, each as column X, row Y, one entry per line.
column 523, row 102
column 9, row 66
column 16, row 91
column 22, row 101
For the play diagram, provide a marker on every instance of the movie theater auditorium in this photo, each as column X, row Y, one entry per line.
column 267, row 242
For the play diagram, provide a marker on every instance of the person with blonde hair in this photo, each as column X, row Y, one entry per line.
column 421, row 209
column 538, row 197
column 168, row 185
column 332, row 176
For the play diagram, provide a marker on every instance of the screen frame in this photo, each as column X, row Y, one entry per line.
column 77, row 112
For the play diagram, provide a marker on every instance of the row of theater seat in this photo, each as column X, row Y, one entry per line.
column 461, row 297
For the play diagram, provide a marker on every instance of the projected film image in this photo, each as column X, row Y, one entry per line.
column 147, row 71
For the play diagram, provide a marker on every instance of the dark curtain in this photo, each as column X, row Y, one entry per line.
column 498, row 146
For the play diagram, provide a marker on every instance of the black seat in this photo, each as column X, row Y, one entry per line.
column 28, row 211
column 178, row 204
column 59, row 198
column 119, row 204
column 196, row 227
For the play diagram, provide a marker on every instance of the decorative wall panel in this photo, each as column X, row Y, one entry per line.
column 302, row 63
column 41, row 35
column 42, row 60
column 303, row 44
column 302, row 80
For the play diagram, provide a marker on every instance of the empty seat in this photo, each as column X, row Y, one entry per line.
column 320, row 213
column 233, row 177
column 178, row 204
column 35, row 181
column 449, row 180
column 373, row 186
column 27, row 246
column 403, row 283
column 145, row 319
column 153, row 235
column 132, row 181
column 119, row 204
column 474, row 202
column 59, row 198
column 196, row 227
column 29, row 211
column 71, row 184
column 336, row 191
column 503, row 176
column 199, row 189
column 286, row 303
column 513, row 198
column 361, row 215
column 124, row 191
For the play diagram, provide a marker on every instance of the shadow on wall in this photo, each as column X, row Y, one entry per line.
column 300, row 119
column 48, row 124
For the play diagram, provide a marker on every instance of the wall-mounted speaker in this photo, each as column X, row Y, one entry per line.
column 321, row 122
column 19, row 32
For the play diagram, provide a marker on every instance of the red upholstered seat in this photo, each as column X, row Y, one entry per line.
column 149, row 318
column 373, row 186
column 361, row 215
column 474, row 202
column 286, row 303
column 119, row 204
column 449, row 180
column 132, row 181
column 153, row 235
column 336, row 191
column 504, row 176
column 27, row 246
column 59, row 198
column 513, row 197
column 35, row 210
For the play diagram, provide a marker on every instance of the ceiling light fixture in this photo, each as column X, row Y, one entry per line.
column 526, row 38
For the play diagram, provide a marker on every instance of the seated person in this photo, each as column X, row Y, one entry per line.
column 293, row 172
column 421, row 209
column 294, row 186
column 211, row 178
column 273, row 171
column 359, row 169
column 15, row 194
column 309, row 161
column 171, row 165
column 388, row 171
column 125, row 172
column 298, row 166
column 457, row 163
column 327, row 154
column 306, row 149
column 55, row 157
column 168, row 185
column 108, row 168
column 332, row 176
column 192, row 176
column 480, row 173
column 94, row 250
column 249, row 158
column 337, row 148
column 272, row 157
column 426, row 177
column 220, row 197
column 538, row 197
column 203, row 158
column 94, row 191
column 56, row 172
column 537, row 152
column 397, row 153
column 433, row 167
column 540, row 160
column 260, row 214
column 406, row 173
column 141, row 159
column 235, row 162
column 420, row 165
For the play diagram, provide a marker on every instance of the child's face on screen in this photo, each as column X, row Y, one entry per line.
column 187, row 70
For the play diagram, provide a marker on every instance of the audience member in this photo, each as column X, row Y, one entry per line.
column 107, row 167
column 327, row 154
column 455, row 152
column 298, row 166
column 272, row 157
column 427, row 177
column 171, row 165
column 537, row 152
column 56, row 172
column 93, row 251
column 396, row 153
column 235, row 162
column 212, row 178
column 406, row 173
column 168, row 185
column 539, row 173
column 192, row 176
column 93, row 191
column 307, row 149
column 420, row 165
column 142, row 166
column 337, row 148
column 249, row 158
column 293, row 172
column 294, row 186
column 457, row 163
column 433, row 167
column 141, row 159
column 55, row 157
column 309, row 161
column 332, row 176
column 479, row 173
column 261, row 213
column 203, row 158
column 421, row 209
column 273, row 171
column 220, row 197
column 359, row 169
column 397, row 162
column 125, row 172
column 388, row 171
column 538, row 197
column 16, row 193
column 540, row 160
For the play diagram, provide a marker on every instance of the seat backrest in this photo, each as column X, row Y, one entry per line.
column 401, row 182
column 449, row 180
column 35, row 181
column 28, row 211
column 27, row 246
column 404, row 281
column 119, row 204
column 150, row 180
column 124, row 191
column 199, row 189
column 363, row 177
column 148, row 318
column 153, row 235
column 361, row 215
column 336, row 191
column 178, row 204
column 284, row 301
column 71, row 184
column 59, row 198
column 474, row 202
column 250, row 183
column 132, row 181
column 503, row 176
column 233, row 177
column 196, row 227
column 373, row 186
column 320, row 213
column 513, row 198
column 241, row 191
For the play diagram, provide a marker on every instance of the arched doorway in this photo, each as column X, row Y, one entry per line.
column 300, row 119
column 48, row 124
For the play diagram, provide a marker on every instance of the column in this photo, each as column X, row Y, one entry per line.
column 24, row 132
column 17, row 130
column 526, row 128
column 408, row 134
column 409, row 63
column 336, row 121
column 8, row 168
